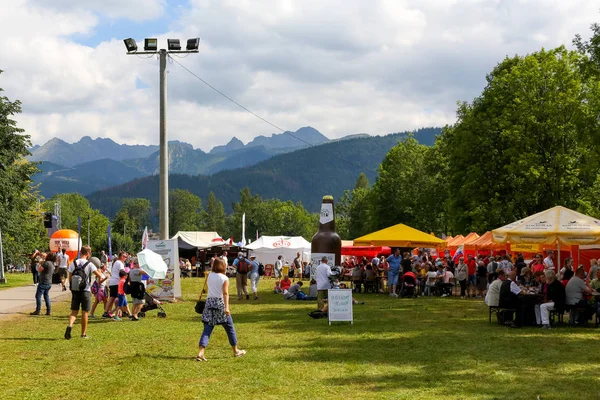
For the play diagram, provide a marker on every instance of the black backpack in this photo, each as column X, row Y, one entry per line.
column 127, row 287
column 261, row 269
column 79, row 279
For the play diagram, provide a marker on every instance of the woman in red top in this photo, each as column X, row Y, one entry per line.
column 537, row 264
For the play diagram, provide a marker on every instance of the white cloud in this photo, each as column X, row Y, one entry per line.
column 341, row 66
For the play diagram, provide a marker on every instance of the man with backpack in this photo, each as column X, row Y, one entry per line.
column 242, row 266
column 80, row 278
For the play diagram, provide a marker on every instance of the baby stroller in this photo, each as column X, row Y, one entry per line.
column 409, row 285
column 152, row 304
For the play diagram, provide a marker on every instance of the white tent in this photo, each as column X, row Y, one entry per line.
column 267, row 248
column 202, row 240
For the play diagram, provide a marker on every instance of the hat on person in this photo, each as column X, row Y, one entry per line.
column 525, row 270
column 240, row 254
column 252, row 256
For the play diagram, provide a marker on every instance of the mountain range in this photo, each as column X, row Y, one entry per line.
column 108, row 164
column 304, row 175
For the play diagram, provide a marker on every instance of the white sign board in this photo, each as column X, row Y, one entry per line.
column 170, row 287
column 339, row 305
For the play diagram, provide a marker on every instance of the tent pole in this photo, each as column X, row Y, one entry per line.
column 558, row 261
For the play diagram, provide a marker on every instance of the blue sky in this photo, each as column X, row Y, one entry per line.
column 340, row 66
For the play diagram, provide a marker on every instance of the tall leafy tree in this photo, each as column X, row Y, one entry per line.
column 185, row 212
column 20, row 218
column 215, row 215
column 524, row 144
column 401, row 190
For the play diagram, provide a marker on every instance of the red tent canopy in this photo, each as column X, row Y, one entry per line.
column 366, row 251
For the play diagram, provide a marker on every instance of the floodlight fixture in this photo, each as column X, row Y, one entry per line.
column 151, row 44
column 192, row 44
column 173, row 44
column 130, row 44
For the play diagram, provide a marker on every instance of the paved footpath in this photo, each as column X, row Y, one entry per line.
column 21, row 300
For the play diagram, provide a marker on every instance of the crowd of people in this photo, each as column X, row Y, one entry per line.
column 88, row 278
column 538, row 286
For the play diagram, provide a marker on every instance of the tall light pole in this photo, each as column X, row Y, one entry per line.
column 151, row 47
column 2, row 277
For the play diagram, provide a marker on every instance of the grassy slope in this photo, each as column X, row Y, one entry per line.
column 17, row 279
column 402, row 349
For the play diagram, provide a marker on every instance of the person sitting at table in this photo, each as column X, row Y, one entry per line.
column 357, row 277
column 567, row 277
column 431, row 280
column 510, row 297
column 526, row 278
column 370, row 275
column 445, row 284
column 553, row 300
column 492, row 298
column 574, row 291
column 595, row 283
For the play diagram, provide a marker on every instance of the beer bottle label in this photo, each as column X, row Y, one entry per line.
column 326, row 213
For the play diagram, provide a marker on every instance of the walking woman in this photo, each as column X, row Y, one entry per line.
column 45, row 269
column 216, row 310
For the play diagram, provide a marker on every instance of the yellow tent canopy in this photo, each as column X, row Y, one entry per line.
column 399, row 236
column 557, row 224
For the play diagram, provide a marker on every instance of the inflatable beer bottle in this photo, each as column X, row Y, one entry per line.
column 325, row 242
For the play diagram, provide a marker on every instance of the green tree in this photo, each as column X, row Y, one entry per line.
column 362, row 182
column 74, row 206
column 132, row 218
column 20, row 218
column 215, row 215
column 185, row 212
column 525, row 144
column 400, row 192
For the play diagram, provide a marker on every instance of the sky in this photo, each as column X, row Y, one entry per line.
column 340, row 66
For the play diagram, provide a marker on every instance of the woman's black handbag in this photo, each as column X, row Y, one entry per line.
column 201, row 303
column 200, row 306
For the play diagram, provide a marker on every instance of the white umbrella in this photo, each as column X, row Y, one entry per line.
column 152, row 263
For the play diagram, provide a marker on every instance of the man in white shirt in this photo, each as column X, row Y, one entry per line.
column 82, row 298
column 323, row 284
column 113, row 282
column 548, row 261
column 492, row 298
column 63, row 264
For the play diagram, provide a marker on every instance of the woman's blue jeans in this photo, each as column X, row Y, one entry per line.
column 229, row 329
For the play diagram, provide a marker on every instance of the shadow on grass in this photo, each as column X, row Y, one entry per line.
column 27, row 339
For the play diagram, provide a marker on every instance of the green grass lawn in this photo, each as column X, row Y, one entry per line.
column 16, row 279
column 425, row 348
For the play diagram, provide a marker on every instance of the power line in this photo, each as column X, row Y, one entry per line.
column 362, row 167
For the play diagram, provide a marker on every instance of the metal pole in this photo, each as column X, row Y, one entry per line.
column 2, row 277
column 88, row 229
column 164, row 151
